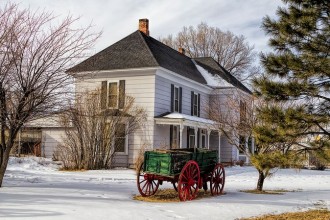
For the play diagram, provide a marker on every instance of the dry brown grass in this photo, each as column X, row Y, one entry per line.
column 320, row 214
column 270, row 192
column 169, row 195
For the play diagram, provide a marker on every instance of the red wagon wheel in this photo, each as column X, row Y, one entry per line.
column 188, row 181
column 217, row 179
column 146, row 183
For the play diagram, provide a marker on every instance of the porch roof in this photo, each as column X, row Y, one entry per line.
column 176, row 118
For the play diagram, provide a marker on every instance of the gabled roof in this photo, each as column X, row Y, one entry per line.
column 129, row 52
column 138, row 50
column 214, row 67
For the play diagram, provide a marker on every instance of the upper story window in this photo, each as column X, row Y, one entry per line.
column 113, row 94
column 176, row 99
column 242, row 111
column 195, row 104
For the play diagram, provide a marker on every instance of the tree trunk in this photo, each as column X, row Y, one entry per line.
column 260, row 180
column 3, row 165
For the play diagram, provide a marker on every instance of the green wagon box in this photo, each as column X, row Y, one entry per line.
column 171, row 162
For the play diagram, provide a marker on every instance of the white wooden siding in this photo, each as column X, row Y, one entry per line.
column 163, row 105
column 51, row 138
column 142, row 88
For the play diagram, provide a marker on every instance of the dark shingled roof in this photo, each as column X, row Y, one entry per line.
column 213, row 67
column 129, row 52
column 138, row 50
column 172, row 60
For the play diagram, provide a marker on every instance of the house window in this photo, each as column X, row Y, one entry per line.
column 113, row 95
column 195, row 104
column 176, row 137
column 203, row 138
column 176, row 99
column 191, row 138
column 242, row 107
column 191, row 141
column 120, row 139
column 241, row 145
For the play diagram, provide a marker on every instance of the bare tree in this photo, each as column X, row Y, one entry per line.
column 230, row 51
column 34, row 54
column 93, row 135
column 276, row 145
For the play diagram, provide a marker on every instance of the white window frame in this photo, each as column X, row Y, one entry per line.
column 176, row 132
column 126, row 142
column 203, row 134
column 108, row 82
column 176, row 88
column 195, row 104
column 191, row 137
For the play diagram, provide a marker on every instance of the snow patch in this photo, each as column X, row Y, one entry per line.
column 32, row 163
column 176, row 115
column 213, row 80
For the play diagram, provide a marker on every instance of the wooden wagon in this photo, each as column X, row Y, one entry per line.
column 187, row 169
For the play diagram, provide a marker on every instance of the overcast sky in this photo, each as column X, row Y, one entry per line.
column 118, row 18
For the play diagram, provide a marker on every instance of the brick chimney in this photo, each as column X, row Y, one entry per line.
column 182, row 51
column 144, row 26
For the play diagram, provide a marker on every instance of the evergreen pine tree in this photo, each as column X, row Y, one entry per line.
column 298, row 71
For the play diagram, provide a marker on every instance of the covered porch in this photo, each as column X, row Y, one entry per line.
column 186, row 131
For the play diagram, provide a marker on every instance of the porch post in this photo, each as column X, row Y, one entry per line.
column 181, row 130
column 195, row 130
column 219, row 155
column 247, row 149
column 208, row 138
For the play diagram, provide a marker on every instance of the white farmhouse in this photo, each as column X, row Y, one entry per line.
column 174, row 89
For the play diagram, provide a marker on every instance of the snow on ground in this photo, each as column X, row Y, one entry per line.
column 35, row 189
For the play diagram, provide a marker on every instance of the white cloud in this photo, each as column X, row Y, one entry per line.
column 118, row 18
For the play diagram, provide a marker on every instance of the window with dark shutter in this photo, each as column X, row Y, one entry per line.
column 180, row 100
column 104, row 95
column 242, row 111
column 199, row 106
column 195, row 107
column 176, row 94
column 192, row 103
column 113, row 95
column 172, row 98
column 121, row 97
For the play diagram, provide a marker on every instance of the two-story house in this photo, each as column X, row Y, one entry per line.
column 174, row 89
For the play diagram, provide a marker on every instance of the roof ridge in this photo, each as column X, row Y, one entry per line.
column 145, row 43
